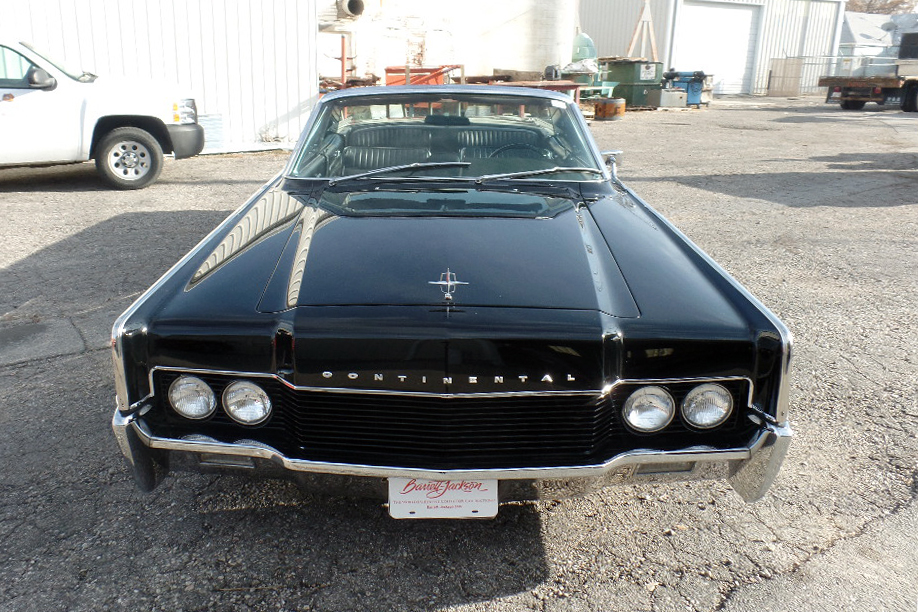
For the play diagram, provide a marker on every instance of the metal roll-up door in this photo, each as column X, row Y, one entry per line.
column 719, row 38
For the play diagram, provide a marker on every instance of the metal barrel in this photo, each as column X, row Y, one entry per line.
column 610, row 109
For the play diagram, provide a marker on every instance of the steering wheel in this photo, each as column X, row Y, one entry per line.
column 516, row 145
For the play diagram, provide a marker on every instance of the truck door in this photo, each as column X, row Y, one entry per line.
column 37, row 125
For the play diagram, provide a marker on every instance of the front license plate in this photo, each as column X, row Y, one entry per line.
column 411, row 498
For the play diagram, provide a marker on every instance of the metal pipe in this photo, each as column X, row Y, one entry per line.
column 343, row 64
column 672, row 15
column 839, row 24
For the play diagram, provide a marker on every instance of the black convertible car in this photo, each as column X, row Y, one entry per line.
column 448, row 299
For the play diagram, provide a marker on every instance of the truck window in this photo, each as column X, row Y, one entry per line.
column 14, row 70
column 908, row 47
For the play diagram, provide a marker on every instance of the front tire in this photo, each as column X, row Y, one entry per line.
column 129, row 158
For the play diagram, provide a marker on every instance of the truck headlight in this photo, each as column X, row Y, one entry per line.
column 185, row 111
column 649, row 409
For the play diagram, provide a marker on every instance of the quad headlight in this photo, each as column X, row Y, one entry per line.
column 192, row 398
column 649, row 409
column 246, row 403
column 707, row 406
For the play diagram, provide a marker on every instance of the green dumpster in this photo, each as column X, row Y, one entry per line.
column 636, row 79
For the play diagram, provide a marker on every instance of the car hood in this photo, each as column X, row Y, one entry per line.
column 526, row 251
column 289, row 285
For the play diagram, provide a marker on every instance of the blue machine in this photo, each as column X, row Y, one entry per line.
column 691, row 82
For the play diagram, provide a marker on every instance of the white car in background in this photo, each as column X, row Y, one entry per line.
column 52, row 114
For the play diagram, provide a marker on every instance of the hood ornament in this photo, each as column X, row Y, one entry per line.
column 448, row 284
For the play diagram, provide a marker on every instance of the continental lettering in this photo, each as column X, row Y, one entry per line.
column 416, row 379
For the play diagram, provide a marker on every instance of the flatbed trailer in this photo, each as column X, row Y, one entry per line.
column 899, row 87
column 852, row 93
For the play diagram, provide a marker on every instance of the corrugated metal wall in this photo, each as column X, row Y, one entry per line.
column 798, row 28
column 611, row 24
column 788, row 28
column 251, row 64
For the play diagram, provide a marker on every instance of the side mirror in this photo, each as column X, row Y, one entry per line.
column 40, row 79
column 612, row 159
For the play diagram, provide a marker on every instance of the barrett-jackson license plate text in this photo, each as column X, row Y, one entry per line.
column 411, row 498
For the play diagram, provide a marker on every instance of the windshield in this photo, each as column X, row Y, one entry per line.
column 449, row 135
column 71, row 71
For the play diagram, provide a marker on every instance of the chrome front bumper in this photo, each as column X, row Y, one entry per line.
column 750, row 470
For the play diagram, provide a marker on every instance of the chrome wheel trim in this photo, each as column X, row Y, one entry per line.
column 129, row 160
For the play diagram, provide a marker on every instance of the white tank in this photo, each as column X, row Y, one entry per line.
column 525, row 35
column 483, row 35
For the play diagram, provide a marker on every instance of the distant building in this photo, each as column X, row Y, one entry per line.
column 250, row 64
column 870, row 35
column 481, row 35
column 254, row 65
column 734, row 40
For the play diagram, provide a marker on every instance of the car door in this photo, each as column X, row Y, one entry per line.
column 38, row 125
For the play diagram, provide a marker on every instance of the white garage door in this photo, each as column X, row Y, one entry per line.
column 720, row 39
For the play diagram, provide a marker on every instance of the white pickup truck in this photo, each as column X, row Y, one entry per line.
column 52, row 114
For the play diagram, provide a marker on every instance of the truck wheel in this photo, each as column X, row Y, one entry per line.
column 129, row 158
column 852, row 104
column 910, row 100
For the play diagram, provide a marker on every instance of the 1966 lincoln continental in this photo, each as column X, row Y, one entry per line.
column 448, row 299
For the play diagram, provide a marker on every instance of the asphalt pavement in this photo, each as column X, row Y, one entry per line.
column 814, row 209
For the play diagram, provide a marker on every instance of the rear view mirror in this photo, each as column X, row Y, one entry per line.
column 40, row 79
column 612, row 159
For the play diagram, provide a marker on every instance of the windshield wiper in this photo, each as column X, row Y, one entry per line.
column 526, row 173
column 414, row 166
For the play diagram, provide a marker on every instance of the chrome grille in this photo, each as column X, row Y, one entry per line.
column 458, row 432
column 442, row 433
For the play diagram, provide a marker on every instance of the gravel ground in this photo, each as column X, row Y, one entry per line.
column 815, row 210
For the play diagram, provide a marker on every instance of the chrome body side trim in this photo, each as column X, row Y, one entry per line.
column 783, row 406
